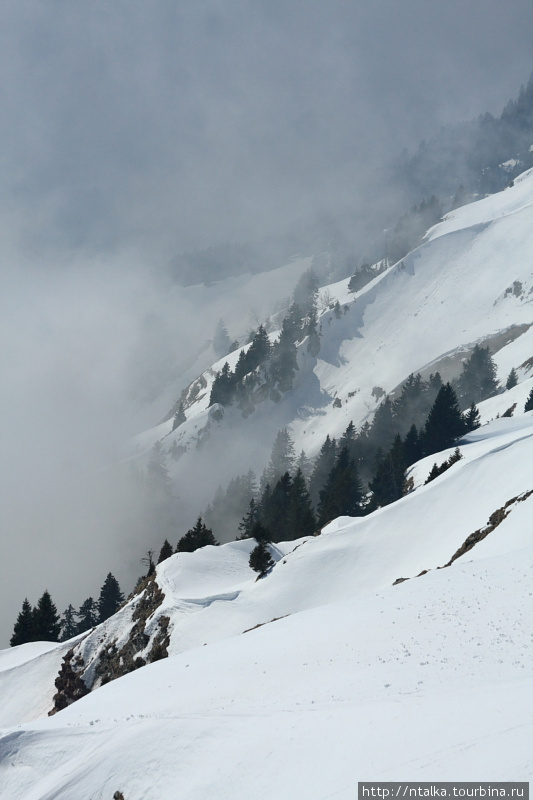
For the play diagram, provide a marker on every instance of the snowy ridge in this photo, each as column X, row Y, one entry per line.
column 469, row 282
column 381, row 671
column 326, row 671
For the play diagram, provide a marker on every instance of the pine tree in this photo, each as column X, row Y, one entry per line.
column 282, row 457
column 111, row 598
column 248, row 521
column 46, row 619
column 283, row 363
column 179, row 417
column 343, row 494
column 383, row 428
column 24, row 628
column 260, row 533
column 444, row 424
column 478, row 379
column 388, row 483
column 260, row 559
column 199, row 536
column 512, row 379
column 69, row 627
column 221, row 340
column 157, row 469
column 87, row 615
column 259, row 350
column 223, row 387
column 300, row 517
column 306, row 290
column 304, row 464
column 313, row 342
column 165, row 552
column 412, row 446
column 275, row 513
column 324, row 463
column 529, row 402
column 472, row 418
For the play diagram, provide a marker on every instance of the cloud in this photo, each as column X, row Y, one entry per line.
column 131, row 131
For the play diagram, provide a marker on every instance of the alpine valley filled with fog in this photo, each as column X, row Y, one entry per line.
column 268, row 502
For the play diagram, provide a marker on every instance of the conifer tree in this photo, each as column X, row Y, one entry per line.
column 24, row 628
column 388, row 482
column 260, row 559
column 306, row 290
column 259, row 350
column 275, row 513
column 260, row 533
column 87, row 615
column 512, row 379
column 46, row 619
column 342, row 494
column 282, row 457
column 304, row 464
column 383, row 429
column 472, row 418
column 199, row 536
column 313, row 342
column 111, row 598
column 283, row 362
column 223, row 387
column 445, row 423
column 529, row 402
column 300, row 517
column 165, row 552
column 179, row 417
column 221, row 340
column 324, row 463
column 412, row 446
column 478, row 379
column 248, row 521
column 69, row 627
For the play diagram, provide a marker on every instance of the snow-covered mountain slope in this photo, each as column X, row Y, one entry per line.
column 471, row 281
column 322, row 673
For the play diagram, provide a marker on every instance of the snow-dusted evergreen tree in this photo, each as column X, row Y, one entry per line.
column 529, row 402
column 111, row 598
column 24, row 628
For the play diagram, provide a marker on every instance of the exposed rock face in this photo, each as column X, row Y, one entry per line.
column 106, row 658
column 70, row 686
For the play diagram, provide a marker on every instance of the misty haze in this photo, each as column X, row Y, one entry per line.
column 249, row 251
